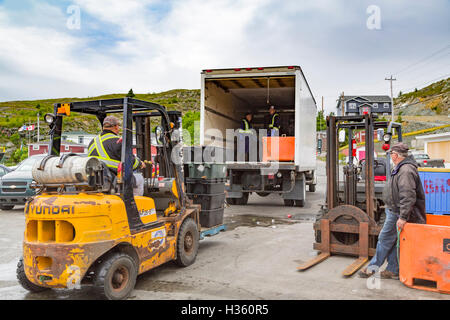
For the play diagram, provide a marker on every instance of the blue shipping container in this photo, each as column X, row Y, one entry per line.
column 436, row 184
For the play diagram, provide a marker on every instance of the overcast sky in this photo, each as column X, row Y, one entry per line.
column 153, row 45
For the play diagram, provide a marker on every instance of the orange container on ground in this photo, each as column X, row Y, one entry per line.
column 284, row 152
column 425, row 254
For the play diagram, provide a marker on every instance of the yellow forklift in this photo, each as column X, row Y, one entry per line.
column 85, row 226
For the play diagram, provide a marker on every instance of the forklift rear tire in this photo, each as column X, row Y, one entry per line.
column 23, row 280
column 115, row 277
column 312, row 188
column 187, row 243
column 6, row 207
column 300, row 203
column 288, row 202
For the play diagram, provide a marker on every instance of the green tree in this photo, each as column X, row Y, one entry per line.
column 131, row 94
column 399, row 117
column 188, row 122
column 320, row 122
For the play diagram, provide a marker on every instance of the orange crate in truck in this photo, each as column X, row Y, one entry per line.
column 284, row 152
column 425, row 254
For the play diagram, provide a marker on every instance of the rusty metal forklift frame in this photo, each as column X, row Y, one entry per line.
column 129, row 107
column 332, row 221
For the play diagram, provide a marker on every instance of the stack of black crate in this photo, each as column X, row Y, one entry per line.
column 205, row 185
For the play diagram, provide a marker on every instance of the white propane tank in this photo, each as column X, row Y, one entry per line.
column 75, row 169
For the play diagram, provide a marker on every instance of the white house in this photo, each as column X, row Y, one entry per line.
column 437, row 146
column 80, row 137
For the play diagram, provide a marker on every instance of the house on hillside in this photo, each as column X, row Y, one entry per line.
column 356, row 105
column 80, row 137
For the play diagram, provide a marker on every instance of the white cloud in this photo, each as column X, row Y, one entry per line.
column 163, row 46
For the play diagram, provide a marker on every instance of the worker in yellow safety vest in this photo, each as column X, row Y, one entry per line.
column 246, row 130
column 107, row 147
column 274, row 124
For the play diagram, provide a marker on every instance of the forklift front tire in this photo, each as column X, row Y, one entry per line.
column 187, row 243
column 115, row 277
column 23, row 280
column 312, row 188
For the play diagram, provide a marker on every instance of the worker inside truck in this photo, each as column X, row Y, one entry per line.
column 273, row 126
column 247, row 135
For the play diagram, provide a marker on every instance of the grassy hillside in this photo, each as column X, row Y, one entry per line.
column 14, row 114
column 428, row 101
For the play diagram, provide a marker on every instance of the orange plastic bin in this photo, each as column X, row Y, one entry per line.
column 425, row 254
column 284, row 152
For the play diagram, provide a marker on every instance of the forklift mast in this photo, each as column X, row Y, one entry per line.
column 131, row 109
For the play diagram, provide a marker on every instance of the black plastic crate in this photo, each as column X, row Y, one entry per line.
column 201, row 186
column 208, row 201
column 211, row 218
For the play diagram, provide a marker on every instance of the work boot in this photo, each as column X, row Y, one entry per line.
column 364, row 273
column 388, row 275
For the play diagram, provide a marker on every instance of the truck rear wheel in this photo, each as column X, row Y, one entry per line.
column 288, row 202
column 231, row 201
column 242, row 201
column 6, row 207
column 23, row 280
column 115, row 277
column 187, row 243
column 300, row 203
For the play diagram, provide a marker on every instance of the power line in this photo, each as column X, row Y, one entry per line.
column 429, row 82
column 424, row 59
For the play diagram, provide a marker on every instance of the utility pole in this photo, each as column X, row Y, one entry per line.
column 38, row 127
column 392, row 96
column 342, row 104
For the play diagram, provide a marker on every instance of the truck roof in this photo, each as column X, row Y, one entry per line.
column 251, row 69
column 241, row 71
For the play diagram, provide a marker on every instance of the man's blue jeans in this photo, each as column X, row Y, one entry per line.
column 387, row 245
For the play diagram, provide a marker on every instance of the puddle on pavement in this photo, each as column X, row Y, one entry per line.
column 235, row 221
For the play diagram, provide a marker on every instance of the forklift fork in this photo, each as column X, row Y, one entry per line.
column 339, row 227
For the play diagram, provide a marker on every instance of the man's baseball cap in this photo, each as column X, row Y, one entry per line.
column 111, row 121
column 249, row 113
column 399, row 147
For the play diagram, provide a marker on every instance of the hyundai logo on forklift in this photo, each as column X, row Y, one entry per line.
column 53, row 210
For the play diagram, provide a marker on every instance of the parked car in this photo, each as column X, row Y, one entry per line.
column 423, row 160
column 15, row 185
column 4, row 170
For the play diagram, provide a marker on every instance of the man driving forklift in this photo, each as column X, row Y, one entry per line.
column 107, row 147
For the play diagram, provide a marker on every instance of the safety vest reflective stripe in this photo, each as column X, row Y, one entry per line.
column 246, row 126
column 102, row 155
column 272, row 126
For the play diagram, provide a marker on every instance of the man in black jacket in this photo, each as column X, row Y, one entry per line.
column 108, row 148
column 404, row 198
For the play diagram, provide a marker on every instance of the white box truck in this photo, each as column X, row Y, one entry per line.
column 227, row 95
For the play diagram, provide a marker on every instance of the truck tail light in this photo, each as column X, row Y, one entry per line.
column 291, row 67
column 425, row 161
column 260, row 68
column 237, row 69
